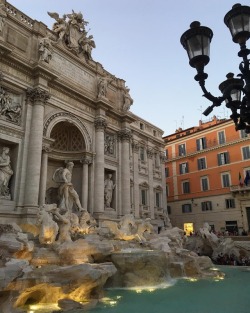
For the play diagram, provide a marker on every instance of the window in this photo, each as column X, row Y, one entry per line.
column 185, row 187
column 142, row 154
column 186, row 208
column 246, row 153
column 141, row 126
column 206, row 206
column 230, row 203
column 158, row 199
column 169, row 209
column 201, row 144
column 182, row 150
column 143, row 196
column 243, row 133
column 154, row 133
column 184, row 168
column 202, row 164
column 223, row 158
column 166, row 171
column 221, row 137
column 204, row 184
column 225, row 180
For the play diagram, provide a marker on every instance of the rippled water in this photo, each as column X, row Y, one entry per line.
column 231, row 295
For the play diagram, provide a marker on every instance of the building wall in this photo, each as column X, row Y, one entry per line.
column 64, row 118
column 217, row 173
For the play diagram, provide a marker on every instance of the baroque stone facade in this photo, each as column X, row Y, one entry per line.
column 58, row 106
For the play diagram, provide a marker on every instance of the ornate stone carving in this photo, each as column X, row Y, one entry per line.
column 109, row 144
column 67, row 194
column 100, row 123
column 150, row 153
column 45, row 49
column 125, row 134
column 162, row 158
column 127, row 100
column 37, row 94
column 70, row 29
column 86, row 160
column 46, row 149
column 3, row 16
column 5, row 173
column 135, row 146
column 8, row 108
column 109, row 186
column 102, row 86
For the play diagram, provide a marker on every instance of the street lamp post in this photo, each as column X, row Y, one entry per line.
column 235, row 91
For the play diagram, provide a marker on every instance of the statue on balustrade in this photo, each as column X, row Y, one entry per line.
column 5, row 173
column 67, row 194
column 128, row 101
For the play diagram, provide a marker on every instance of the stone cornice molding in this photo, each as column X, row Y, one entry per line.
column 100, row 123
column 37, row 95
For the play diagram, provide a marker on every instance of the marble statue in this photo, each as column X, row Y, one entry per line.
column 130, row 229
column 109, row 186
column 45, row 49
column 5, row 173
column 48, row 228
column 109, row 145
column 128, row 101
column 68, row 225
column 87, row 224
column 87, row 44
column 67, row 194
column 102, row 86
column 70, row 29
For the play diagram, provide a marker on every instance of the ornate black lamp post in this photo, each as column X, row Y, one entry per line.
column 197, row 40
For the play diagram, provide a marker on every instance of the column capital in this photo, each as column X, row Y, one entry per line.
column 86, row 160
column 100, row 123
column 37, row 94
column 124, row 134
column 46, row 149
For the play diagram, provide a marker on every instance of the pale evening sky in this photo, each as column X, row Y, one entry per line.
column 139, row 41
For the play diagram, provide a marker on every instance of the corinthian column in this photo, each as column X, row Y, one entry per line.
column 100, row 125
column 150, row 154
column 38, row 97
column 125, row 135
column 43, row 177
column 85, row 180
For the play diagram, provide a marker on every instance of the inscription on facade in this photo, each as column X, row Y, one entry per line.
column 73, row 72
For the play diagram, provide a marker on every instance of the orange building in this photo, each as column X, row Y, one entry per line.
column 205, row 171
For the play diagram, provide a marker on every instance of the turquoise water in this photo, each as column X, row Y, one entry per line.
column 230, row 295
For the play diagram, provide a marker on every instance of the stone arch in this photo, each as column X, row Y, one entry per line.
column 66, row 117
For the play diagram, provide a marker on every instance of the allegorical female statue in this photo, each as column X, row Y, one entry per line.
column 5, row 173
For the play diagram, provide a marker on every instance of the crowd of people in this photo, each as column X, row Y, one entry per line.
column 225, row 259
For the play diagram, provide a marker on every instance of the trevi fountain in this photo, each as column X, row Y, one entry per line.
column 82, row 188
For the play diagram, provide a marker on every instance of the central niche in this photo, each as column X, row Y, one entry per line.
column 67, row 137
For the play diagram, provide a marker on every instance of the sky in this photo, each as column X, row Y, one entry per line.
column 139, row 41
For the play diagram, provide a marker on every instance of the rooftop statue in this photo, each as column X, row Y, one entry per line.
column 70, row 29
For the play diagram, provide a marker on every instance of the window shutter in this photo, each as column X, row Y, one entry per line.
column 180, row 167
column 186, row 167
column 204, row 143
column 227, row 157
column 219, row 159
column 198, row 144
